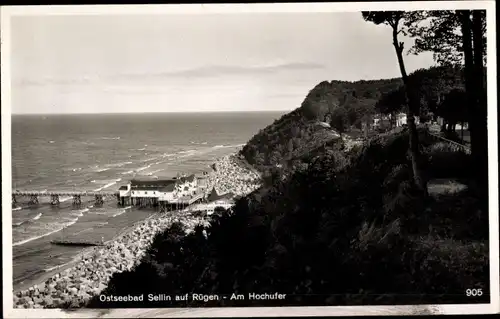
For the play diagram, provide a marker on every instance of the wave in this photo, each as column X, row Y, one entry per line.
column 99, row 213
column 118, row 164
column 167, row 155
column 122, row 211
column 80, row 212
column 158, row 170
column 64, row 199
column 107, row 185
column 141, row 149
column 51, row 142
column 127, row 172
column 119, row 213
column 142, row 168
column 20, row 223
column 57, row 267
column 17, row 208
column 228, row 146
column 109, row 138
column 185, row 152
column 37, row 217
column 82, row 231
column 102, row 170
column 22, row 242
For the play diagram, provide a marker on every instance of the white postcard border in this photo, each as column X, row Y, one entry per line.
column 7, row 12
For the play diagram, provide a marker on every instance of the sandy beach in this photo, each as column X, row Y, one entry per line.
column 231, row 175
column 88, row 274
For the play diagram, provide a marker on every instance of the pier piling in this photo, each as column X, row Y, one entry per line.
column 99, row 200
column 54, row 199
column 14, row 200
column 77, row 200
column 33, row 199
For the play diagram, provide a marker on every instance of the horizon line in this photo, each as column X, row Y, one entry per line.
column 167, row 112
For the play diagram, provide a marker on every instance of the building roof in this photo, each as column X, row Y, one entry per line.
column 153, row 183
column 168, row 188
column 139, row 188
column 122, row 188
column 188, row 179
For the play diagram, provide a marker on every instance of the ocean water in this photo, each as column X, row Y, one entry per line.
column 102, row 152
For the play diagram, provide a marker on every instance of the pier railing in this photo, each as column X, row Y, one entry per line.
column 55, row 196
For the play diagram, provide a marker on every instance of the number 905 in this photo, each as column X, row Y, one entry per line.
column 474, row 292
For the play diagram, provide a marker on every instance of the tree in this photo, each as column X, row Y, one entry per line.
column 453, row 109
column 339, row 120
column 459, row 37
column 400, row 21
column 219, row 211
column 391, row 102
column 320, row 102
column 430, row 84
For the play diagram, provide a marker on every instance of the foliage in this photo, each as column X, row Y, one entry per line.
column 453, row 108
column 440, row 32
column 430, row 86
column 339, row 103
column 327, row 222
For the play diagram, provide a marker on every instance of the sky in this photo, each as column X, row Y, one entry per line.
column 192, row 63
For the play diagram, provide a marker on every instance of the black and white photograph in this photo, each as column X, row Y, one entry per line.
column 249, row 159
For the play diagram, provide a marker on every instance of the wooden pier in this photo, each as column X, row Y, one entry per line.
column 180, row 203
column 55, row 196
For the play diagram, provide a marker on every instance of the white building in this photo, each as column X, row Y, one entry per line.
column 167, row 193
column 124, row 191
column 400, row 119
column 148, row 188
column 209, row 208
column 186, row 185
column 150, row 192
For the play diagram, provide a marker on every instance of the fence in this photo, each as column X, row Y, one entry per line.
column 457, row 146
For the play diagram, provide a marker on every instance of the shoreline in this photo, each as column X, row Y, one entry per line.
column 88, row 273
column 84, row 252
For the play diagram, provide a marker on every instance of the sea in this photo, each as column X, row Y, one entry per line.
column 94, row 152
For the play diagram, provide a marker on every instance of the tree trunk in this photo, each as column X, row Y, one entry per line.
column 480, row 150
column 469, row 74
column 418, row 177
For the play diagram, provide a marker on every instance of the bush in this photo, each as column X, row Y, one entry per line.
column 347, row 228
column 448, row 161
